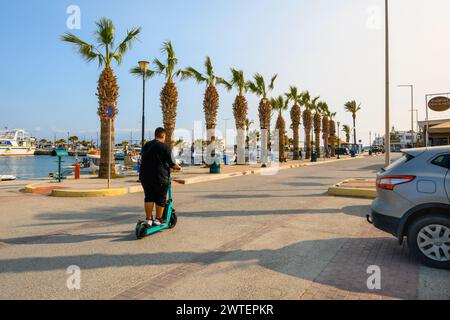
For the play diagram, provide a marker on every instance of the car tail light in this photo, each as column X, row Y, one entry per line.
column 390, row 182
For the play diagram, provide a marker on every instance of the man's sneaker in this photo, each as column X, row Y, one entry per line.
column 157, row 222
column 149, row 223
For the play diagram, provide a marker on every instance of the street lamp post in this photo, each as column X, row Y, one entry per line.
column 339, row 140
column 412, row 109
column 387, row 140
column 144, row 66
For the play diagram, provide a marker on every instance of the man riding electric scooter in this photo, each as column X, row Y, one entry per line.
column 154, row 175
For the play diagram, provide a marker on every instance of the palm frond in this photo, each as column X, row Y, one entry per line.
column 272, row 82
column 126, row 44
column 209, row 68
column 137, row 72
column 160, row 67
column 252, row 87
column 172, row 60
column 87, row 51
column 105, row 32
column 293, row 95
column 191, row 73
column 116, row 56
column 224, row 83
column 238, row 81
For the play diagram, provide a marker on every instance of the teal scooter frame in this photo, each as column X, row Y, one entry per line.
column 143, row 230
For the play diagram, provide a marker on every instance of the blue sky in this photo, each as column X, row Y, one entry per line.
column 331, row 48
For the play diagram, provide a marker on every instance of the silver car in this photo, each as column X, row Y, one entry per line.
column 413, row 202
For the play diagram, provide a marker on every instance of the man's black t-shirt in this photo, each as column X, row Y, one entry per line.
column 156, row 163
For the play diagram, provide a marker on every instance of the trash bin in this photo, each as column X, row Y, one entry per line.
column 370, row 152
column 214, row 168
column 353, row 153
column 314, row 157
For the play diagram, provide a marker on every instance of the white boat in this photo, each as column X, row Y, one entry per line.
column 7, row 177
column 16, row 143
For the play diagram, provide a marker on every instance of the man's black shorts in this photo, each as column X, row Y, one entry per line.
column 155, row 192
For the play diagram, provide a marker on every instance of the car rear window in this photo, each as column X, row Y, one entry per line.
column 404, row 159
column 442, row 161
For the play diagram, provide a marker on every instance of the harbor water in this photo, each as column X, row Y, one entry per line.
column 32, row 167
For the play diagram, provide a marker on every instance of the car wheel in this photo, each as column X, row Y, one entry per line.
column 429, row 240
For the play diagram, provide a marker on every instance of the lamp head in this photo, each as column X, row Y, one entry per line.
column 143, row 65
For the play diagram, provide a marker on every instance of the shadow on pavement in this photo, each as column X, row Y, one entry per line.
column 340, row 263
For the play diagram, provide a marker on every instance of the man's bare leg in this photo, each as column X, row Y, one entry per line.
column 149, row 210
column 159, row 212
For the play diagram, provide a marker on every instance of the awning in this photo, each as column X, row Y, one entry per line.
column 441, row 128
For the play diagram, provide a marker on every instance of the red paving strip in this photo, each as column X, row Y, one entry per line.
column 346, row 275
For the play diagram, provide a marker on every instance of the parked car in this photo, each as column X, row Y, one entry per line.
column 413, row 202
column 342, row 151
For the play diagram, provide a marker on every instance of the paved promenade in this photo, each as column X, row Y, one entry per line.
column 251, row 237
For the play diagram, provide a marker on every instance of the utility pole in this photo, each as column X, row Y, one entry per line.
column 387, row 140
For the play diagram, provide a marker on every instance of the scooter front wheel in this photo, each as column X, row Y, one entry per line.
column 141, row 230
column 173, row 220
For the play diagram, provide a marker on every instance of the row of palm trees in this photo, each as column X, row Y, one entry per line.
column 316, row 114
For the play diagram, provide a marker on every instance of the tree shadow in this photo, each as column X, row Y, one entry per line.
column 105, row 214
column 306, row 184
column 258, row 196
column 340, row 263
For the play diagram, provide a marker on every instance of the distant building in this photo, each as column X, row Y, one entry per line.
column 403, row 140
column 400, row 140
column 439, row 131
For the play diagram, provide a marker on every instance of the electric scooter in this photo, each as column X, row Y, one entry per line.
column 144, row 230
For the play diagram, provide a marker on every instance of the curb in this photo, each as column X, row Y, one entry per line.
column 63, row 192
column 340, row 191
column 90, row 193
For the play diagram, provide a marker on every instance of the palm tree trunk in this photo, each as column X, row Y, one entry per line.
column 240, row 115
column 354, row 133
column 169, row 102
column 107, row 93
column 308, row 143
column 210, row 108
column 296, row 143
column 105, row 148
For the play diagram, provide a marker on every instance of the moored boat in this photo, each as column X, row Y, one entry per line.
column 16, row 143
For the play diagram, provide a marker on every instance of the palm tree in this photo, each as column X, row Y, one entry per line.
column 293, row 96
column 346, row 128
column 105, row 52
column 317, row 125
column 211, row 98
column 333, row 134
column 305, row 101
column 280, row 104
column 169, row 93
column 259, row 87
column 240, row 110
column 353, row 108
column 73, row 140
column 325, row 112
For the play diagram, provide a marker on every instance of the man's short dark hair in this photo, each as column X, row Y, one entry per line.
column 160, row 132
